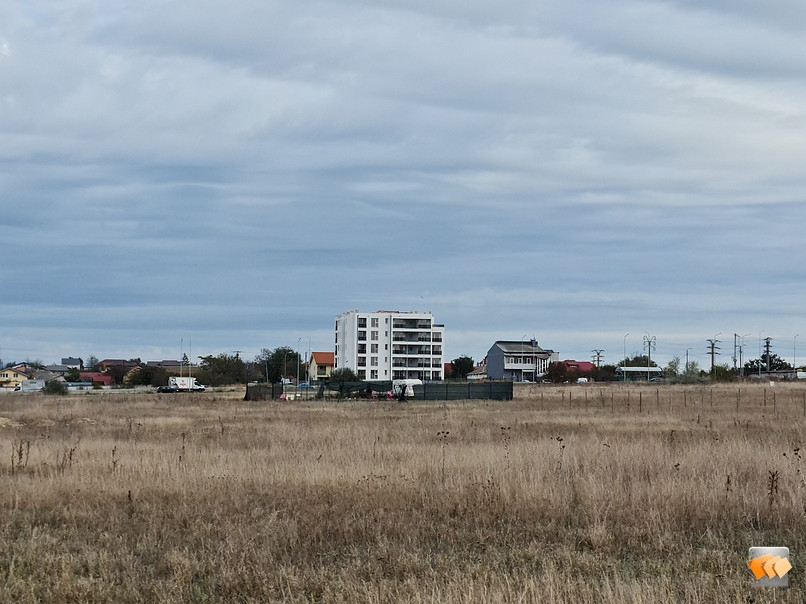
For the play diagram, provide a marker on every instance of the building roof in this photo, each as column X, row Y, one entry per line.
column 114, row 362
column 71, row 361
column 639, row 369
column 584, row 366
column 521, row 347
column 324, row 358
column 164, row 363
column 44, row 374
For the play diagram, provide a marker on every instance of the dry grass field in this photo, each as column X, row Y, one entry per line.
column 575, row 494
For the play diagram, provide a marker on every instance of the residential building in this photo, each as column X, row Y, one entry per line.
column 520, row 361
column 168, row 365
column 320, row 366
column 11, row 377
column 72, row 362
column 58, row 369
column 390, row 345
column 107, row 364
column 479, row 372
column 578, row 366
column 96, row 377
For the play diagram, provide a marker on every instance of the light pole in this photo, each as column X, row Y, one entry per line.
column 625, row 347
column 686, row 370
column 795, row 356
column 741, row 354
column 298, row 341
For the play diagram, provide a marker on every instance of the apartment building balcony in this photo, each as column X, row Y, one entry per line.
column 411, row 324
column 411, row 337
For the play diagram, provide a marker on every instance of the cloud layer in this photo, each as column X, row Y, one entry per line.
column 239, row 174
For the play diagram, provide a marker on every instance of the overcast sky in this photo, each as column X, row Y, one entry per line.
column 233, row 175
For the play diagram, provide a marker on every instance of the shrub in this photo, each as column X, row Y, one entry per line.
column 55, row 387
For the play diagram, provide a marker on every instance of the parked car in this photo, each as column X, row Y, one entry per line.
column 304, row 385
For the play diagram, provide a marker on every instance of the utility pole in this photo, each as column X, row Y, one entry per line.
column 649, row 344
column 735, row 348
column 767, row 347
column 597, row 357
column 712, row 345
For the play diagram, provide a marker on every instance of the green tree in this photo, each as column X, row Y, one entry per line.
column 461, row 366
column 146, row 376
column 639, row 360
column 691, row 374
column 72, row 374
column 776, row 364
column 118, row 372
column 722, row 373
column 557, row 373
column 220, row 370
column 345, row 374
column 605, row 373
column 280, row 362
column 92, row 363
column 672, row 369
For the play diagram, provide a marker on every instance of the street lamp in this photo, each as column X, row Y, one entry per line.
column 298, row 341
column 687, row 349
column 794, row 356
column 741, row 355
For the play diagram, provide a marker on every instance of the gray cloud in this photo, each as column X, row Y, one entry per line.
column 244, row 173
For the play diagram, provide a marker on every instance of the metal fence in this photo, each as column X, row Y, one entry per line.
column 457, row 391
column 263, row 392
column 428, row 391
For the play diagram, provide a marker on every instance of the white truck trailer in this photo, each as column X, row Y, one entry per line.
column 182, row 384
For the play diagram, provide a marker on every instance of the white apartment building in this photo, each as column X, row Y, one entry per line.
column 390, row 345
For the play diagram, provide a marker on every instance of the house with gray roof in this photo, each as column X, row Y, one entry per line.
column 519, row 361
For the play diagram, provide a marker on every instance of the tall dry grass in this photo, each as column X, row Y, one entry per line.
column 618, row 494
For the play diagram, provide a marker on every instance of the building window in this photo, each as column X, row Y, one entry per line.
column 362, row 361
column 374, row 335
column 374, row 322
column 362, row 375
column 374, row 348
column 373, row 375
column 362, row 335
column 373, row 361
column 362, row 349
column 362, row 321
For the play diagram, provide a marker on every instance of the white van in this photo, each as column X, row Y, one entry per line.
column 405, row 388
